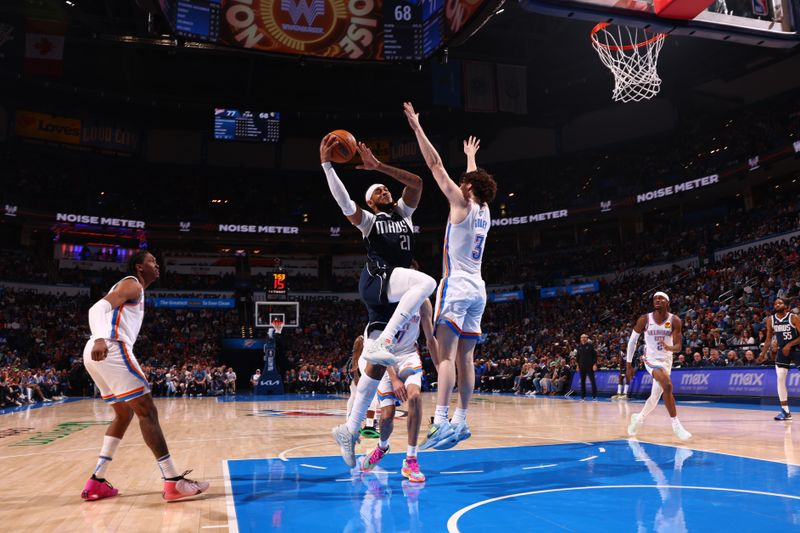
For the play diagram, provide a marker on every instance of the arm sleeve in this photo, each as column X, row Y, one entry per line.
column 99, row 321
column 367, row 220
column 347, row 205
column 632, row 346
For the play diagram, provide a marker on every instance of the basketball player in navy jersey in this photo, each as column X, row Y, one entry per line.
column 115, row 321
column 461, row 298
column 386, row 278
column 786, row 328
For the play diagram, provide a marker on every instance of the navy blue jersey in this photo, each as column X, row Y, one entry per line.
column 389, row 237
column 784, row 330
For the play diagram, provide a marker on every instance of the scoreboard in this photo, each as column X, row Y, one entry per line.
column 238, row 125
column 372, row 30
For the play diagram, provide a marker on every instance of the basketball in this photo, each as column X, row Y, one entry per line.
column 346, row 148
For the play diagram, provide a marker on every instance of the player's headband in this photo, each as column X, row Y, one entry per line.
column 371, row 190
column 663, row 294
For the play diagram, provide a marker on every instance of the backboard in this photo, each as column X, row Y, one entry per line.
column 266, row 312
column 770, row 23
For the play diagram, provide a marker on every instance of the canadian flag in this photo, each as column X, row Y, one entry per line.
column 44, row 47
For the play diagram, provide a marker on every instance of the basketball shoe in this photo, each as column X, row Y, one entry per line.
column 438, row 434
column 784, row 416
column 411, row 470
column 371, row 461
column 636, row 422
column 98, row 489
column 347, row 444
column 182, row 487
column 379, row 352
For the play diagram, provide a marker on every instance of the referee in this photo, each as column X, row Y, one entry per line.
column 587, row 361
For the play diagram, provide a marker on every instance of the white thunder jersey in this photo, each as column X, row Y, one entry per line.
column 654, row 336
column 126, row 320
column 406, row 338
column 464, row 242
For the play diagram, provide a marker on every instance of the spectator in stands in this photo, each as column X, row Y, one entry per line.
column 733, row 359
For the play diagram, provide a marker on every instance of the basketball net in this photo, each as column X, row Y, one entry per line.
column 631, row 54
column 277, row 325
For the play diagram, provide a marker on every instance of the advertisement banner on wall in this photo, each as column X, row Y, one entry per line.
column 108, row 136
column 42, row 126
column 193, row 303
column 751, row 381
column 323, row 28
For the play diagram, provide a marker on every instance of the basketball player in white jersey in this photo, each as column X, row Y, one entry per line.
column 662, row 338
column 389, row 288
column 403, row 383
column 461, row 297
column 115, row 321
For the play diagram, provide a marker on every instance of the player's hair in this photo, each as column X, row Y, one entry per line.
column 483, row 185
column 136, row 259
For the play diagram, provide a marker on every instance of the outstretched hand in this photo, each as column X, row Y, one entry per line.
column 329, row 142
column 471, row 146
column 370, row 162
column 411, row 115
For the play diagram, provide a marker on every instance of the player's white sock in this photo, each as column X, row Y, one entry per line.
column 412, row 287
column 384, row 444
column 364, row 394
column 441, row 414
column 167, row 467
column 107, row 452
column 626, row 389
column 619, row 389
column 459, row 416
column 675, row 422
column 412, row 451
column 783, row 393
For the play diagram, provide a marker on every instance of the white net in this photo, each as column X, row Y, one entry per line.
column 277, row 326
column 632, row 56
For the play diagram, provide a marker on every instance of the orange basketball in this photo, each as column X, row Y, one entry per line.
column 346, row 149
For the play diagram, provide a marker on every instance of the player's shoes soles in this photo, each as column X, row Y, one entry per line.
column 411, row 470
column 379, row 353
column 633, row 427
column 783, row 416
column 347, row 444
column 461, row 433
column 439, row 434
column 177, row 489
column 371, row 461
column 681, row 432
column 98, row 489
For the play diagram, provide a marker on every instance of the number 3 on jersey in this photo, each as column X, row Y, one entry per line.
column 477, row 247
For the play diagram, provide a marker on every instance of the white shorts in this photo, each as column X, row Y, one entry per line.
column 460, row 302
column 651, row 363
column 119, row 376
column 408, row 368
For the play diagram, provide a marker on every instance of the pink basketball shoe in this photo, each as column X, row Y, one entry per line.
column 98, row 489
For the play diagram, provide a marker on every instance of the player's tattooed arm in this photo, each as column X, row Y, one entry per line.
column 413, row 190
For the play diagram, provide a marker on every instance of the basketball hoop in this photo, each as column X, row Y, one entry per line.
column 631, row 54
column 277, row 325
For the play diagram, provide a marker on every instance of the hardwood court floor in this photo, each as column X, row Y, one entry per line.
column 47, row 454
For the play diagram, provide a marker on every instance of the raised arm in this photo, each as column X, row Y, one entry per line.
column 412, row 182
column 349, row 208
column 471, row 147
column 450, row 189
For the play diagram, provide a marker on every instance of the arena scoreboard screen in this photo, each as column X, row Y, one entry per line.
column 277, row 284
column 392, row 30
column 238, row 125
